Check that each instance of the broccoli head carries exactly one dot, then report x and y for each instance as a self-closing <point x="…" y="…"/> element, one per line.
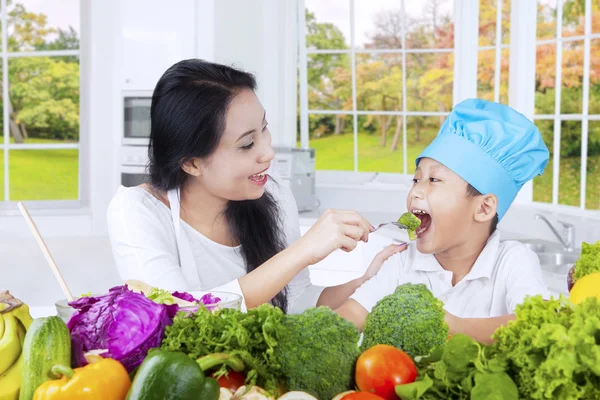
<point x="411" y="319"/>
<point x="589" y="261"/>
<point x="411" y="222"/>
<point x="317" y="351"/>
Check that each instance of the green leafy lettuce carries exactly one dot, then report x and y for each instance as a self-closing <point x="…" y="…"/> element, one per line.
<point x="589" y="261"/>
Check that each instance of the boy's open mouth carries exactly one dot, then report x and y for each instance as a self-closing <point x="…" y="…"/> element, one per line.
<point x="425" y="221"/>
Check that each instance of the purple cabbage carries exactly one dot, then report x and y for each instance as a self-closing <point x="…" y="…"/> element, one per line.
<point x="206" y="299"/>
<point x="125" y="323"/>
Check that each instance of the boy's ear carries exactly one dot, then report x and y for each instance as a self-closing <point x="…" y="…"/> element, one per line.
<point x="487" y="207"/>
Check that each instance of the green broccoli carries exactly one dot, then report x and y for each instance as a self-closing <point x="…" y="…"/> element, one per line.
<point x="411" y="319"/>
<point x="412" y="222"/>
<point x="589" y="261"/>
<point x="317" y="351"/>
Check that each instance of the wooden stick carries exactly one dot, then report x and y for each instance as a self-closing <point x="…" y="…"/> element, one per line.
<point x="40" y="240"/>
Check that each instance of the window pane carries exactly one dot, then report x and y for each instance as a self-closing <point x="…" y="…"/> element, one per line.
<point x="43" y="174"/>
<point x="327" y="24"/>
<point x="44" y="94"/>
<point x="542" y="185"/>
<point x="572" y="77"/>
<point x="429" y="81"/>
<point x="329" y="82"/>
<point x="487" y="22"/>
<point x="486" y="80"/>
<point x="420" y="132"/>
<point x="592" y="193"/>
<point x="430" y="25"/>
<point x="595" y="16"/>
<point x="570" y="163"/>
<point x="332" y="138"/>
<point x="573" y="18"/>
<point x="379" y="82"/>
<point x="546" y="19"/>
<point x="1" y="174"/>
<point x="486" y="61"/>
<point x="545" y="72"/>
<point x="378" y="24"/>
<point x="380" y="143"/>
<point x="43" y="25"/>
<point x="594" y="96"/>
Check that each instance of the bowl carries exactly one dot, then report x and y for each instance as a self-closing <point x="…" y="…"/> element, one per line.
<point x="228" y="300"/>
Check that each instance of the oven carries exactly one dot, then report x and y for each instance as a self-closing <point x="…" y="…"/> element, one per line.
<point x="136" y="119"/>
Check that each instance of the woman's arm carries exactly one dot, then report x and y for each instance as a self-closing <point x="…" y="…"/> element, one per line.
<point x="480" y="329"/>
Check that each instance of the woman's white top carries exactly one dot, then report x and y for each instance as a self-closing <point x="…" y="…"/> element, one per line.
<point x="153" y="244"/>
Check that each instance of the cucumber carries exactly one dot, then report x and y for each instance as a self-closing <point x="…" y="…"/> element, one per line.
<point x="47" y="343"/>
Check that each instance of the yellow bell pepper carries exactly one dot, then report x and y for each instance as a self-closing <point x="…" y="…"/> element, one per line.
<point x="103" y="380"/>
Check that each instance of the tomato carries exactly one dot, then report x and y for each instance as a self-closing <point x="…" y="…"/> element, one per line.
<point x="232" y="381"/>
<point x="361" y="396"/>
<point x="382" y="367"/>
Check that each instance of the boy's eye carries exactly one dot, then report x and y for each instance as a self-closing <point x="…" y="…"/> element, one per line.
<point x="415" y="180"/>
<point x="434" y="180"/>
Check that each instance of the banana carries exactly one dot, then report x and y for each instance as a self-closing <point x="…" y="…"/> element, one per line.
<point x="10" y="343"/>
<point x="23" y="315"/>
<point x="1" y="325"/>
<point x="10" y="381"/>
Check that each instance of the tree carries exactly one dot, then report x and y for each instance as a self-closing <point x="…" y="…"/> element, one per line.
<point x="44" y="91"/>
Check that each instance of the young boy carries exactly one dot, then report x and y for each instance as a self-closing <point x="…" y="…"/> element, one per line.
<point x="464" y="183"/>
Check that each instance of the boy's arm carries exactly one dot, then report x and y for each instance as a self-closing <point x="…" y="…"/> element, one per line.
<point x="480" y="329"/>
<point x="353" y="312"/>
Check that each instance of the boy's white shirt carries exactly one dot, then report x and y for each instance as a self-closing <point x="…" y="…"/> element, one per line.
<point x="503" y="275"/>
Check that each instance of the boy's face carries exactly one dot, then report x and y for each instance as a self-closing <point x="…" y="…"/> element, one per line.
<point x="439" y="198"/>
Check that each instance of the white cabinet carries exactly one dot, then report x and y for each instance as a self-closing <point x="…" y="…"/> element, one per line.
<point x="154" y="35"/>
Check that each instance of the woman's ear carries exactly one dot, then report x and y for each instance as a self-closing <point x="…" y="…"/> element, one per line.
<point x="192" y="166"/>
<point x="487" y="207"/>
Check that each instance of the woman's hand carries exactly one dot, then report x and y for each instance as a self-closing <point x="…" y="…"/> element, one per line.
<point x="335" y="229"/>
<point x="382" y="257"/>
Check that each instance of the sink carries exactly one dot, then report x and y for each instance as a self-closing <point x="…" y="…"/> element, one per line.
<point x="558" y="263"/>
<point x="542" y="246"/>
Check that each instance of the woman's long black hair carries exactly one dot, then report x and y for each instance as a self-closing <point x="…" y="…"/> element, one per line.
<point x="188" y="111"/>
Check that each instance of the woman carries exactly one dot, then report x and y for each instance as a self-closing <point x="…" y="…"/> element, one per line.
<point x="211" y="217"/>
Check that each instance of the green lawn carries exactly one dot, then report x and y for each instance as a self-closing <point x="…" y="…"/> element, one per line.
<point x="41" y="174"/>
<point x="336" y="153"/>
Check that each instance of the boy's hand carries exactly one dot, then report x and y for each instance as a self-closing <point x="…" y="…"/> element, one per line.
<point x="381" y="257"/>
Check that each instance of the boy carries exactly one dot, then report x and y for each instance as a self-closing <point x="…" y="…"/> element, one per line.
<point x="464" y="183"/>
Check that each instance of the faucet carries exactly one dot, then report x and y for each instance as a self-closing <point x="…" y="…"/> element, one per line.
<point x="568" y="235"/>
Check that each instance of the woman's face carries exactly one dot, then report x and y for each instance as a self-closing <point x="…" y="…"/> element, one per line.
<point x="237" y="169"/>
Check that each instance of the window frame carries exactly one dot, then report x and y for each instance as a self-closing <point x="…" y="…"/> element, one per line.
<point x="8" y="206"/>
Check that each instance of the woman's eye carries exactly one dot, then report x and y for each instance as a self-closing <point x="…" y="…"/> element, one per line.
<point x="265" y="127"/>
<point x="248" y="146"/>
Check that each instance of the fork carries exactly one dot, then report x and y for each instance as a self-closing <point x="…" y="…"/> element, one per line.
<point x="397" y="224"/>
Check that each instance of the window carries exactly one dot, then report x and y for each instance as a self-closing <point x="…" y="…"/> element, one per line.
<point x="567" y="101"/>
<point x="376" y="81"/>
<point x="39" y="147"/>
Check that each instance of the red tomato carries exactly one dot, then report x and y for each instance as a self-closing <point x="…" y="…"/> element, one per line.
<point x="381" y="368"/>
<point x="232" y="381"/>
<point x="361" y="396"/>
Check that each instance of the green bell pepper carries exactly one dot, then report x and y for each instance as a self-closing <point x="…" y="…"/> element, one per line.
<point x="171" y="375"/>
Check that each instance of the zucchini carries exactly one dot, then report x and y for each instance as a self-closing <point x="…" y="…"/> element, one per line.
<point x="47" y="343"/>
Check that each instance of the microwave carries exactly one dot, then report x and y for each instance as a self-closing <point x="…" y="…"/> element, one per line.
<point x="136" y="120"/>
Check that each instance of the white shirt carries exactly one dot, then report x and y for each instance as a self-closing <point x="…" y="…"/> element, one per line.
<point x="502" y="276"/>
<point x="145" y="246"/>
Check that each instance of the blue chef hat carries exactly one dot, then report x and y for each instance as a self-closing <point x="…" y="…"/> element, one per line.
<point x="492" y="147"/>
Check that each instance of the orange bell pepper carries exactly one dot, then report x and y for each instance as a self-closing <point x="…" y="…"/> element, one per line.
<point x="103" y="380"/>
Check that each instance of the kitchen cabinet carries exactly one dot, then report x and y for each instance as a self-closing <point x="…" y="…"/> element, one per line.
<point x="154" y="35"/>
